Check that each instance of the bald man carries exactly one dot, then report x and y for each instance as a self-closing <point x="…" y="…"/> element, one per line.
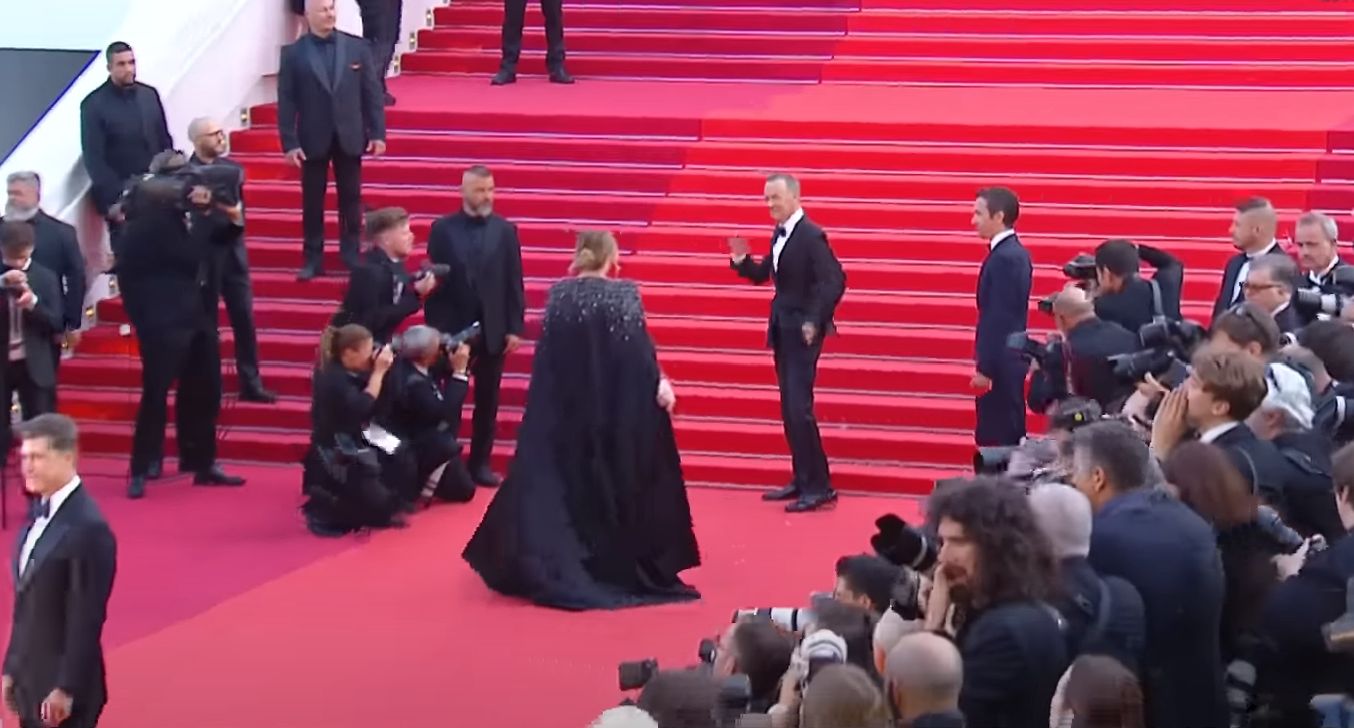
<point x="1090" y="341"/>
<point x="924" y="675"/>
<point x="1253" y="229"/>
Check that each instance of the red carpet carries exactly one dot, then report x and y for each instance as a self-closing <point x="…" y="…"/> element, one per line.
<point x="226" y="613"/>
<point x="1137" y="118"/>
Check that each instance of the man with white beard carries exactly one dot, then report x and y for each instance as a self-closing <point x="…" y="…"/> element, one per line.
<point x="56" y="249"/>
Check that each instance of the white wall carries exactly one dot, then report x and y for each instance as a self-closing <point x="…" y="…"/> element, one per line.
<point x="68" y="25"/>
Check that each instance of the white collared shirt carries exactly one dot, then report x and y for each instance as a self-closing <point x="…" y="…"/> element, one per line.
<point x="788" y="227"/>
<point x="1246" y="269"/>
<point x="1216" y="431"/>
<point x="1316" y="278"/>
<point x="40" y="525"/>
<point x="1004" y="234"/>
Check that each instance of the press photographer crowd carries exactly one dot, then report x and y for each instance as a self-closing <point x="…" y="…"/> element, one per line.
<point x="1171" y="553"/>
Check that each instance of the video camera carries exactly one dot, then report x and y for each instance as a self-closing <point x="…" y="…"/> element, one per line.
<point x="448" y="342"/>
<point x="1167" y="346"/>
<point x="1311" y="301"/>
<point x="172" y="185"/>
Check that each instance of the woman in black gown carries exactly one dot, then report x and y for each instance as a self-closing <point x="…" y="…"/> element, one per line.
<point x="593" y="514"/>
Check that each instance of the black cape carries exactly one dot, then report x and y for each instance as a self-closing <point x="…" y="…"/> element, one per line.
<point x="593" y="513"/>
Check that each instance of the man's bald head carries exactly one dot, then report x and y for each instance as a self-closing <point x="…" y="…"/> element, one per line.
<point x="321" y="16"/>
<point x="1072" y="302"/>
<point x="924" y="673"/>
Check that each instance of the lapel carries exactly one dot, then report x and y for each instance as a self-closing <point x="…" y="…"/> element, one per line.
<point x="18" y="550"/>
<point x="310" y="47"/>
<point x="339" y="64"/>
<point x="51" y="537"/>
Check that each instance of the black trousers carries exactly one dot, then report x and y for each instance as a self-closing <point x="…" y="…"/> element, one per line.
<point x="381" y="28"/>
<point x="33" y="400"/>
<point x="114" y="237"/>
<point x="230" y="273"/>
<point x="1001" y="410"/>
<point x="193" y="359"/>
<point x="796" y="369"/>
<point x="486" y="371"/>
<point x="314" y="184"/>
<point x="515" y="16"/>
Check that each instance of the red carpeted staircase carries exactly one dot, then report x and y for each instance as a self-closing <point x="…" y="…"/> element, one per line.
<point x="683" y="105"/>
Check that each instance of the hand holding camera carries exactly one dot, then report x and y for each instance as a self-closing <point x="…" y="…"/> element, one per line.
<point x="460" y="359"/>
<point x="200" y="196"/>
<point x="384" y="358"/>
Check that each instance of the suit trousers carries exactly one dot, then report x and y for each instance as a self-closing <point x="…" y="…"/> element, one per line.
<point x="486" y="371"/>
<point x="514" y="18"/>
<point x="796" y="369"/>
<point x="33" y="400"/>
<point x="314" y="185"/>
<point x="381" y="28"/>
<point x="231" y="272"/>
<point x="1001" y="410"/>
<point x="193" y="358"/>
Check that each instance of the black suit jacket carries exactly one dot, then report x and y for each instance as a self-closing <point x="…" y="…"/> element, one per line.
<point x="1014" y="655"/>
<point x="1091" y="343"/>
<point x="1165" y="550"/>
<point x="1289" y="320"/>
<point x="421" y="404"/>
<point x="58" y="250"/>
<point x="312" y="110"/>
<point x="485" y="282"/>
<point x="60" y="604"/>
<point x="120" y="131"/>
<point x="370" y="299"/>
<point x="1259" y="461"/>
<point x="161" y="273"/>
<point x="40" y="325"/>
<point x="1225" y="299"/>
<point x="1003" y="309"/>
<point x="1326" y="285"/>
<point x="809" y="282"/>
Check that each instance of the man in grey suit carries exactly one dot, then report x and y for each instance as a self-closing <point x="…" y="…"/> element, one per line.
<point x="330" y="110"/>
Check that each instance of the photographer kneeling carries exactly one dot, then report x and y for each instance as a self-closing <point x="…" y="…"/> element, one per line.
<point x="342" y="480"/>
<point x="422" y="407"/>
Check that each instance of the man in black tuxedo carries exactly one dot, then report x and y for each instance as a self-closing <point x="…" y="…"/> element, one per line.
<point x="381" y="292"/>
<point x="485" y="285"/>
<point x="1003" y="309"/>
<point x="1316" y="238"/>
<point x="122" y="125"/>
<point x="228" y="262"/>
<point x="514" y="17"/>
<point x="1270" y="282"/>
<point x="330" y="110"/>
<point x="31" y="308"/>
<point x="57" y="249"/>
<point x="809" y="284"/>
<point x="1125" y="297"/>
<point x="163" y="277"/>
<point x="63" y="575"/>
<point x="381" y="28"/>
<point x="1253" y="229"/>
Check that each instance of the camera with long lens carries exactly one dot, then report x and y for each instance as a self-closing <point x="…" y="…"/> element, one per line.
<point x="448" y="342"/>
<point x="902" y="544"/>
<point x="432" y="270"/>
<point x="171" y="185"/>
<point x="1313" y="301"/>
<point x="1167" y="346"/>
<point x="735" y="692"/>
<point x="635" y="674"/>
<point x="792" y="619"/>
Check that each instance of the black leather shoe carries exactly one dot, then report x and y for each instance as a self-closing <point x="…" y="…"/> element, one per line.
<point x="504" y="77"/>
<point x="789" y="492"/>
<point x="154" y="470"/>
<point x="390" y="99"/>
<point x="258" y="394"/>
<point x="485" y="477"/>
<point x="812" y="502"/>
<point x="559" y="75"/>
<point x="216" y="476"/>
<point x="310" y="271"/>
<point x="136" y="487"/>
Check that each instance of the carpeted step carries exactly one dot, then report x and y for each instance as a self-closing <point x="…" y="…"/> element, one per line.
<point x="828" y="187"/>
<point x="902" y="45"/>
<point x="950" y="69"/>
<point x="617" y="208"/>
<point x="694" y="434"/>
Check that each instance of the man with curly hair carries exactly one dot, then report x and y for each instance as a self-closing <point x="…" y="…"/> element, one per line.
<point x="995" y="575"/>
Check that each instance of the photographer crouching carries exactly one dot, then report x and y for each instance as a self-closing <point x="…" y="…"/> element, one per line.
<point x="1080" y="364"/>
<point x="422" y="407"/>
<point x="162" y="272"/>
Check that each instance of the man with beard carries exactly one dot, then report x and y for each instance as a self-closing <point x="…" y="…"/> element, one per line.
<point x="485" y="258"/>
<point x="57" y="249"/>
<point x="996" y="572"/>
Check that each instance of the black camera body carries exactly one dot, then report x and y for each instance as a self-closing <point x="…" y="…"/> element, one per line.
<point x="904" y="545"/>
<point x="1080" y="268"/>
<point x="434" y="270"/>
<point x="171" y="188"/>
<point x="1167" y="346"/>
<point x="449" y="342"/>
<point x="1312" y="301"/>
<point x="1051" y="355"/>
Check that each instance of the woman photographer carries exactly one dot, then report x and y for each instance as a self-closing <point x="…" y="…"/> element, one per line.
<point x="342" y="479"/>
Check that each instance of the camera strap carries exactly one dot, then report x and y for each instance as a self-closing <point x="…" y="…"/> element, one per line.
<point x="1158" y="310"/>
<point x="1102" y="617"/>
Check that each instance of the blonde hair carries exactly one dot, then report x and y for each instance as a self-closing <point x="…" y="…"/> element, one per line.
<point x="337" y="339"/>
<point x="594" y="250"/>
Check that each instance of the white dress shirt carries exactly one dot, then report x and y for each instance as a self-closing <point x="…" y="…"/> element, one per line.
<point x="1216" y="431"/>
<point x="1246" y="269"/>
<point x="40" y="525"/>
<point x="1004" y="234"/>
<point x="787" y="228"/>
<point x="1317" y="278"/>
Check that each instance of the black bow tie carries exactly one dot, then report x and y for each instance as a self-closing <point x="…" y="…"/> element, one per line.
<point x="42" y="508"/>
<point x="780" y="231"/>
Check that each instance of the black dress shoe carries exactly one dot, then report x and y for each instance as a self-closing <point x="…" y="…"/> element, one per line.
<point x="812" y="502"/>
<point x="136" y="487"/>
<point x="309" y="271"/>
<point x="485" y="477"/>
<point x="258" y="394"/>
<point x="216" y="476"/>
<point x="390" y="99"/>
<point x="154" y="470"/>
<point x="504" y="77"/>
<point x="559" y="75"/>
<point x="789" y="492"/>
